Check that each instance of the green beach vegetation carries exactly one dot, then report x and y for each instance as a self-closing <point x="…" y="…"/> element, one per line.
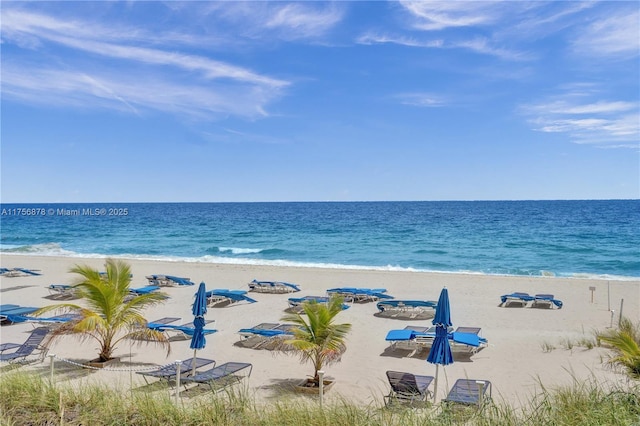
<point x="26" y="398"/>
<point x="109" y="314"/>
<point x="624" y="343"/>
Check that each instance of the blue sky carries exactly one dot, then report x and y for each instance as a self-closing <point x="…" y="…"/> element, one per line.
<point x="319" y="101"/>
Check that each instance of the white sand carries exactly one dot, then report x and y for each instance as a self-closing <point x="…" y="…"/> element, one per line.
<point x="514" y="362"/>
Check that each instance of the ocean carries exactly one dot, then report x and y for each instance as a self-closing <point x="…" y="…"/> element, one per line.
<point x="583" y="239"/>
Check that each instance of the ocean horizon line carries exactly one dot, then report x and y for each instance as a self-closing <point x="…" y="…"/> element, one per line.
<point x="31" y="203"/>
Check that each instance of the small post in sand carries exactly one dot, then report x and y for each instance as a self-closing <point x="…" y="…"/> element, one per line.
<point x="178" y="365"/>
<point x="321" y="387"/>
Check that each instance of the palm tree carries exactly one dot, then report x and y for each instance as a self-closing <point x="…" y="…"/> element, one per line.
<point x="625" y="344"/>
<point x="109" y="314"/>
<point x="317" y="338"/>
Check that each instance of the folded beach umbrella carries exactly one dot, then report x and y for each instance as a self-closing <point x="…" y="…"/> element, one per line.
<point x="440" y="353"/>
<point x="198" y="341"/>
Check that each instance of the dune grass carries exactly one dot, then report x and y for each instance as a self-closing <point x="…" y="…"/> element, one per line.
<point x="28" y="399"/>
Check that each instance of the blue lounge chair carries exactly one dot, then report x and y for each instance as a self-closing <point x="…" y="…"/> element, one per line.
<point x="464" y="340"/>
<point x="469" y="392"/>
<point x="518" y="298"/>
<point x="467" y="340"/>
<point x="295" y="303"/>
<point x="412" y="309"/>
<point x="223" y="296"/>
<point x="144" y="290"/>
<point x="135" y="292"/>
<point x="10" y="313"/>
<point x="407" y="387"/>
<point x="170" y="371"/>
<point x="360" y="294"/>
<point x="62" y="291"/>
<point x="8" y="306"/>
<point x="28" y="271"/>
<point x="32" y="346"/>
<point x="265" y="335"/>
<point x="17" y="272"/>
<point x="43" y="321"/>
<point x="168" y="280"/>
<point x="545" y="301"/>
<point x="221" y="376"/>
<point x="406" y="339"/>
<point x="185" y="331"/>
<point x="273" y="287"/>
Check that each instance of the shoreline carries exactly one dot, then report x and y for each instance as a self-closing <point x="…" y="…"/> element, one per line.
<point x="329" y="266"/>
<point x="517" y="361"/>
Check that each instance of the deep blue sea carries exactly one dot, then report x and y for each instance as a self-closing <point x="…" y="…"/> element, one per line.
<point x="594" y="239"/>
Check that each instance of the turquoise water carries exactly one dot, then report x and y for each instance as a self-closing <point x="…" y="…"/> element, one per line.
<point x="563" y="238"/>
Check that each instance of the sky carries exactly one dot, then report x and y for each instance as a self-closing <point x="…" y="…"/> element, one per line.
<point x="319" y="101"/>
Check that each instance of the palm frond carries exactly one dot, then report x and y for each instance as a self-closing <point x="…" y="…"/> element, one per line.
<point x="318" y="339"/>
<point x="624" y="343"/>
<point x="106" y="317"/>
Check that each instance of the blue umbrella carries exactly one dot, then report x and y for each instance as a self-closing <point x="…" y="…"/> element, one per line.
<point x="440" y="353"/>
<point x="198" y="341"/>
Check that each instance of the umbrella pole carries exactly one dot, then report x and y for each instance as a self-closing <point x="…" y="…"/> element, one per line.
<point x="193" y="370"/>
<point x="435" y="384"/>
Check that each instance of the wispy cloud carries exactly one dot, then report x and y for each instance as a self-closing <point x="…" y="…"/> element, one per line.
<point x="603" y="123"/>
<point x="477" y="45"/>
<point x="374" y="38"/>
<point x="439" y="15"/>
<point x="617" y="35"/>
<point x="110" y="70"/>
<point x="302" y="20"/>
<point x="423" y="100"/>
<point x="286" y="21"/>
<point x="137" y="93"/>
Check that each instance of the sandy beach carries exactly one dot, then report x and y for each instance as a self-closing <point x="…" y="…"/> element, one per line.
<point x="516" y="361"/>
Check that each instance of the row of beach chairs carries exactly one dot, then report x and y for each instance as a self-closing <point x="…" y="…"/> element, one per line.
<point x="216" y="377"/>
<point x="407" y="387"/>
<point x="521" y="299"/>
<point x="463" y="340"/>
<point x="404" y="386"/>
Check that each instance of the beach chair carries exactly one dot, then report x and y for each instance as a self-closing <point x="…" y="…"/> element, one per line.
<point x="144" y="290"/>
<point x="273" y="287"/>
<point x="295" y="303"/>
<point x="50" y="322"/>
<point x="62" y="291"/>
<point x="265" y="335"/>
<point x="184" y="331"/>
<point x="516" y="299"/>
<point x="360" y="295"/>
<point x="31" y="346"/>
<point x="469" y="392"/>
<point x="168" y="280"/>
<point x="219" y="297"/>
<point x="134" y="292"/>
<point x="407" y="387"/>
<point x="12" y="312"/>
<point x="467" y="340"/>
<point x="162" y="321"/>
<point x="7" y="307"/>
<point x="221" y="376"/>
<point x="168" y="372"/>
<point x="18" y="272"/>
<point x="411" y="309"/>
<point x="407" y="338"/>
<point x="545" y="301"/>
